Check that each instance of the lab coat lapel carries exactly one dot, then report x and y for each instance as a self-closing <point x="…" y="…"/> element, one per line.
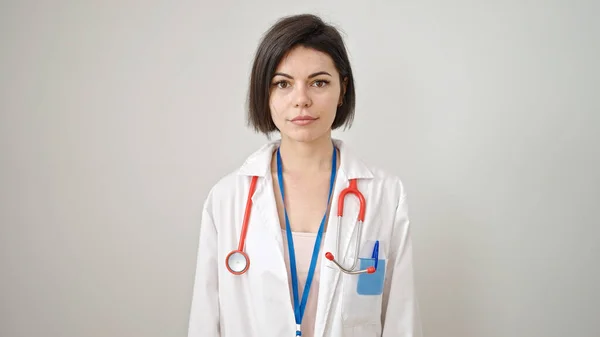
<point x="350" y="168"/>
<point x="267" y="266"/>
<point x="329" y="276"/>
<point x="264" y="244"/>
<point x="264" y="207"/>
<point x="267" y="218"/>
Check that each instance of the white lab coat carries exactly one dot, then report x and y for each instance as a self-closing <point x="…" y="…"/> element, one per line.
<point x="257" y="303"/>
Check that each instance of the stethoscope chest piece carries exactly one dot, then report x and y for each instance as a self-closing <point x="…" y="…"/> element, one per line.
<point x="237" y="262"/>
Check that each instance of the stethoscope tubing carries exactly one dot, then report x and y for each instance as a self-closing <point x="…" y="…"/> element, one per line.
<point x="351" y="189"/>
<point x="359" y="224"/>
<point x="244" y="230"/>
<point x="247" y="214"/>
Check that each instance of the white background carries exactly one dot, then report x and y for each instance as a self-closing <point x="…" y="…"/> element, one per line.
<point x="118" y="116"/>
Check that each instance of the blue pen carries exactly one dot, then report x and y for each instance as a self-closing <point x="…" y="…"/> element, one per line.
<point x="376" y="253"/>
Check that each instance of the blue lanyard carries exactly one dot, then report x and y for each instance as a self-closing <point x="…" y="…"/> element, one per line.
<point x="299" y="307"/>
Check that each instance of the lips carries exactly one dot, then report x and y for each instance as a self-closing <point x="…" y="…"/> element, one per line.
<point x="303" y="118"/>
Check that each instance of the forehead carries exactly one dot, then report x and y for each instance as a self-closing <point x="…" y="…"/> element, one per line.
<point x="301" y="61"/>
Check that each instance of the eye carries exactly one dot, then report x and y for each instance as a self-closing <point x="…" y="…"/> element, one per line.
<point x="282" y="84"/>
<point x="320" y="83"/>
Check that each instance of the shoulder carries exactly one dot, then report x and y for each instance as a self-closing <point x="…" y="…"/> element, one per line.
<point x="392" y="181"/>
<point x="388" y="178"/>
<point x="379" y="181"/>
<point x="235" y="183"/>
<point x="225" y="185"/>
<point x="388" y="190"/>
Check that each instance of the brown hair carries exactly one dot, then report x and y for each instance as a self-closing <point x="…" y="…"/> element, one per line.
<point x="306" y="30"/>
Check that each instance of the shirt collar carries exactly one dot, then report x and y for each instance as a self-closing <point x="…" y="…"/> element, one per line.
<point x="259" y="162"/>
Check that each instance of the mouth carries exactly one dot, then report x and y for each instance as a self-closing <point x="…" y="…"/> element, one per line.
<point x="303" y="120"/>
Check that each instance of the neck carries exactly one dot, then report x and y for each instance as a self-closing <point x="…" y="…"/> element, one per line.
<point x="306" y="157"/>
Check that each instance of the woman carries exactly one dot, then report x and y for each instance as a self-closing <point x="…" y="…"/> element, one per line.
<point x="302" y="86"/>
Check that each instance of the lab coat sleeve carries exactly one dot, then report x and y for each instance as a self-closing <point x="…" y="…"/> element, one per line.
<point x="400" y="314"/>
<point x="204" y="312"/>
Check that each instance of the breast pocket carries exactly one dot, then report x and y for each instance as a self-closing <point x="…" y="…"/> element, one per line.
<point x="362" y="293"/>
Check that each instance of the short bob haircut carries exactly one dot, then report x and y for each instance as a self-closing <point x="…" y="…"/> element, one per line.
<point x="298" y="30"/>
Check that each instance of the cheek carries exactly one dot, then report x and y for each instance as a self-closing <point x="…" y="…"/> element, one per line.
<point x="277" y="103"/>
<point x="328" y="102"/>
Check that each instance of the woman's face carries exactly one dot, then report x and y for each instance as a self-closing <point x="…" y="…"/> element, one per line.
<point x="305" y="94"/>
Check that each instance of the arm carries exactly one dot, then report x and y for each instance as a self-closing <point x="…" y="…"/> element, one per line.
<point x="400" y="316"/>
<point x="204" y="313"/>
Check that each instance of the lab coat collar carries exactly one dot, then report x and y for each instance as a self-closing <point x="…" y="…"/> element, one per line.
<point x="259" y="163"/>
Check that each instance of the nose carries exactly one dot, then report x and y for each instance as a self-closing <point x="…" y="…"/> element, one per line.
<point x="301" y="97"/>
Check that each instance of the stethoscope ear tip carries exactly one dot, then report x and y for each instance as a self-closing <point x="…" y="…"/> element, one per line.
<point x="329" y="256"/>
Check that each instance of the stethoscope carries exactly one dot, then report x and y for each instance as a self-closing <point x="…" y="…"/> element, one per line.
<point x="238" y="262"/>
<point x="353" y="189"/>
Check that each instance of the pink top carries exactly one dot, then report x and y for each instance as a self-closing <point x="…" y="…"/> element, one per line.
<point x="303" y="247"/>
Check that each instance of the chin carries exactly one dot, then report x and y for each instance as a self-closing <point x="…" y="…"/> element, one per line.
<point x="306" y="135"/>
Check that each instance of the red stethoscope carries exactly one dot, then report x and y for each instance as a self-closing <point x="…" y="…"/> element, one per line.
<point x="238" y="262"/>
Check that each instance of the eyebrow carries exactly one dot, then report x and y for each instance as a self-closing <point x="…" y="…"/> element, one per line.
<point x="310" y="76"/>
